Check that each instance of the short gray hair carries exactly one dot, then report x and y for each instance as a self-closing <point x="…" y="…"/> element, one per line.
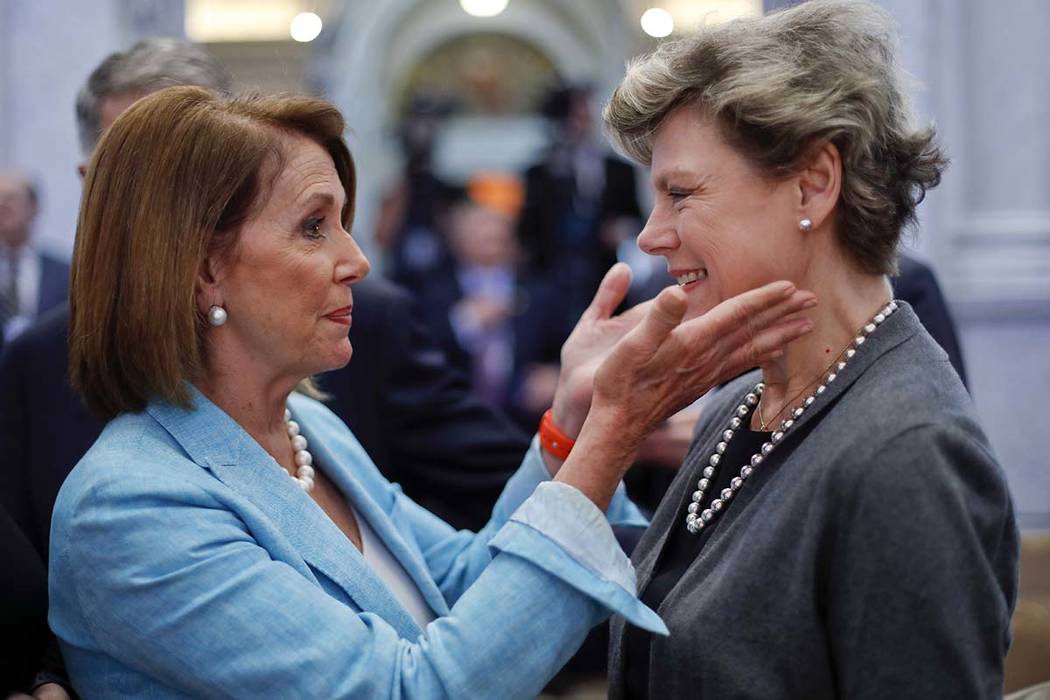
<point x="823" y="71"/>
<point x="148" y="66"/>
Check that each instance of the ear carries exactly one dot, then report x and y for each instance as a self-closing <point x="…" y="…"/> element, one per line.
<point x="82" y="170"/>
<point x="209" y="287"/>
<point x="819" y="183"/>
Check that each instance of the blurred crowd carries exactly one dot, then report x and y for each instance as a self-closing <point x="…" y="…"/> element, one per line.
<point x="494" y="270"/>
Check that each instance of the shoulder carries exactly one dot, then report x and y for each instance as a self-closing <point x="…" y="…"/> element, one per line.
<point x="132" y="457"/>
<point x="52" y="264"/>
<point x="907" y="434"/>
<point x="46" y="335"/>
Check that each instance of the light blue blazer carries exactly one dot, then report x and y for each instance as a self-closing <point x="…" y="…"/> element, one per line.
<point x="185" y="563"/>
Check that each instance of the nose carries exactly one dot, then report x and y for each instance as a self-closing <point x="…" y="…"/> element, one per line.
<point x="658" y="237"/>
<point x="352" y="266"/>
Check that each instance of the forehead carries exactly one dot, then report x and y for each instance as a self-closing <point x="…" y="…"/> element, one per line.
<point x="687" y="139"/>
<point x="306" y="169"/>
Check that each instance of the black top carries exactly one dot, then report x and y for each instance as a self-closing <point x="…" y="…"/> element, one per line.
<point x="683" y="547"/>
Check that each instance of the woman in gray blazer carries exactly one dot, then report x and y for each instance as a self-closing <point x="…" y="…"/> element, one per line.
<point x="840" y="527"/>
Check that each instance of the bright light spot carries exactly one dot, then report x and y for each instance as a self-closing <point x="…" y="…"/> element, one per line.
<point x="305" y="27"/>
<point x="483" y="8"/>
<point x="657" y="22"/>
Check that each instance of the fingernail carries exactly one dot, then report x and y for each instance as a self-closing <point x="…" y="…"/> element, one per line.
<point x="810" y="303"/>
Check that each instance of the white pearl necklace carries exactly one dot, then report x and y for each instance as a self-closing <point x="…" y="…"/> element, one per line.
<point x="304" y="475"/>
<point x="696" y="519"/>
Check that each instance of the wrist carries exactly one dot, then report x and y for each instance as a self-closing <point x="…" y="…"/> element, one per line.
<point x="553" y="440"/>
<point x="568" y="416"/>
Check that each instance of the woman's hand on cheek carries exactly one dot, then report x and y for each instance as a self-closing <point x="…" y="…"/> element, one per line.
<point x="594" y="336"/>
<point x="663" y="364"/>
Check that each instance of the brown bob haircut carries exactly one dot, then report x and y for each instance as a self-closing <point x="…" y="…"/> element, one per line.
<point x="171" y="183"/>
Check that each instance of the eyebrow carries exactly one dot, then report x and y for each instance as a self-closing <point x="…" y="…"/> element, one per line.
<point x="324" y="198"/>
<point x="661" y="182"/>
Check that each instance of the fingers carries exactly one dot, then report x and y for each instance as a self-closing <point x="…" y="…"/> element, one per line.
<point x="743" y="332"/>
<point x="664" y="315"/>
<point x="611" y="292"/>
<point x="745" y="309"/>
<point x="769" y="343"/>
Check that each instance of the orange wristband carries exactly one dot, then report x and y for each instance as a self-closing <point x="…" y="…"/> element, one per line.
<point x="552" y="439"/>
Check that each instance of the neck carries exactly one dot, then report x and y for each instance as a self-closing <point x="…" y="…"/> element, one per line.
<point x="256" y="403"/>
<point x="846" y="302"/>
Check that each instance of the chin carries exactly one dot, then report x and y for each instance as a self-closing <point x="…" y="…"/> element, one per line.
<point x="338" y="358"/>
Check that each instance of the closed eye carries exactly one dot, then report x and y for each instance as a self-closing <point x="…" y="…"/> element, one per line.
<point x="677" y="195"/>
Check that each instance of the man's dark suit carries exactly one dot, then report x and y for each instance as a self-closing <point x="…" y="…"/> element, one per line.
<point x="549" y="197"/>
<point x="916" y="284"/>
<point x="54" y="284"/>
<point x="53" y="289"/>
<point x="412" y="413"/>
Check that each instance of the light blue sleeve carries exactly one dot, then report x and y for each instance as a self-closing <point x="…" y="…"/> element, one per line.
<point x="555" y="518"/>
<point x="165" y="579"/>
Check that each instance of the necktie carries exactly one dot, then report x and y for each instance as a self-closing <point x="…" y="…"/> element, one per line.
<point x="9" y="291"/>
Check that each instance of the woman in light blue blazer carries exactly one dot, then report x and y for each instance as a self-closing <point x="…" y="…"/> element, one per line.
<point x="228" y="537"/>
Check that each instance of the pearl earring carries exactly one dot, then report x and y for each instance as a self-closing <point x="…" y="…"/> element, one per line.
<point x="217" y="316"/>
<point x="805" y="225"/>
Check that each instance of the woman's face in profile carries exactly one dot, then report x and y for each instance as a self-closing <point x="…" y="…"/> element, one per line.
<point x="722" y="227"/>
<point x="286" y="285"/>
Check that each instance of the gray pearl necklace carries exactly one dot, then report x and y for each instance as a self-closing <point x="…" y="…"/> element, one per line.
<point x="696" y="519"/>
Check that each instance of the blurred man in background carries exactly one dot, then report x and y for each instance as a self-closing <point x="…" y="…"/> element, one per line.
<point x="31" y="282"/>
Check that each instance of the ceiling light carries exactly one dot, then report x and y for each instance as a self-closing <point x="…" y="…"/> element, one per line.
<point x="657" y="22"/>
<point x="483" y="8"/>
<point x="306" y="26"/>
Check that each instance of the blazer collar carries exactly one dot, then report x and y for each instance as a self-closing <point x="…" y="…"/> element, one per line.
<point x="218" y="443"/>
<point x="897" y="328"/>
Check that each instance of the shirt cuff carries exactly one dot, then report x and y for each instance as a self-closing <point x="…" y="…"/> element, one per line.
<point x="562" y="532"/>
<point x="574" y="523"/>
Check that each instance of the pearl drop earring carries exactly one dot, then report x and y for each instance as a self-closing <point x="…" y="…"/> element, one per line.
<point x="217" y="316"/>
<point x="805" y="225"/>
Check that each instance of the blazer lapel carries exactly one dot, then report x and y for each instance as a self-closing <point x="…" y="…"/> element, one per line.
<point x="366" y="507"/>
<point x="218" y="443"/>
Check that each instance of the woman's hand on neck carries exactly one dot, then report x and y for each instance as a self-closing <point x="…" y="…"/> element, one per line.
<point x="848" y="300"/>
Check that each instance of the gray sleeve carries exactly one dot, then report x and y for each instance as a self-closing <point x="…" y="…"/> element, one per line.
<point x="922" y="572"/>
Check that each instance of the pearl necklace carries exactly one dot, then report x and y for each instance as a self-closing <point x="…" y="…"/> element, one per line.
<point x="696" y="519"/>
<point x="303" y="459"/>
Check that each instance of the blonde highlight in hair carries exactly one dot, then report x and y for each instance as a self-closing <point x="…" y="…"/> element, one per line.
<point x="171" y="183"/>
<point x="823" y="71"/>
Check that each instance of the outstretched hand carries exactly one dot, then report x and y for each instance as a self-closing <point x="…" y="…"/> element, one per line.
<point x="594" y="335"/>
<point x="663" y="364"/>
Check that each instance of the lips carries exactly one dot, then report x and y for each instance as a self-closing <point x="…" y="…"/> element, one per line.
<point x="343" y="315"/>
<point x="686" y="277"/>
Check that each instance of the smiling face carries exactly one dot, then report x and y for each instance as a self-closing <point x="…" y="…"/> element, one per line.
<point x="286" y="284"/>
<point x="722" y="227"/>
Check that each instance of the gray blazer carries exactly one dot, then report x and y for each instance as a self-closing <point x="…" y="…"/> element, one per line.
<point x="878" y="560"/>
